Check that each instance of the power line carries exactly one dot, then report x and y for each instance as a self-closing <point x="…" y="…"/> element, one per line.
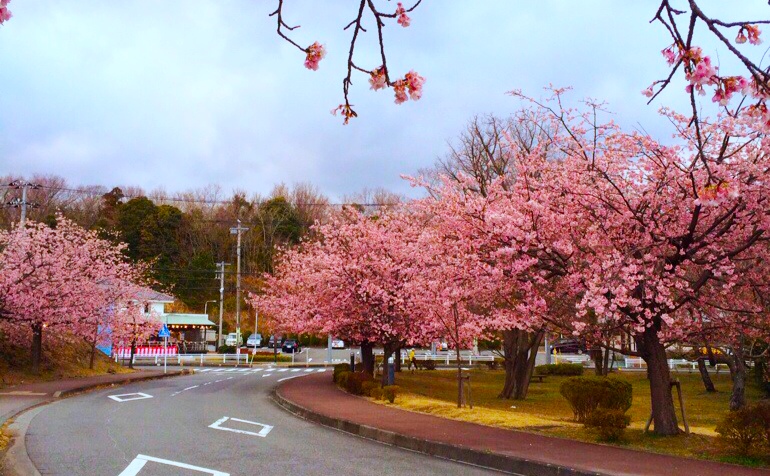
<point x="212" y="202"/>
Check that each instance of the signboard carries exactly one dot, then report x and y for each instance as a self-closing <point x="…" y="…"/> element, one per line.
<point x="164" y="332"/>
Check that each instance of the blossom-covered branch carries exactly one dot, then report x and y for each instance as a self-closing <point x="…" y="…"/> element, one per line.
<point x="409" y="86"/>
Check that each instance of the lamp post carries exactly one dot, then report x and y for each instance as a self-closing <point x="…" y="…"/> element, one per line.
<point x="205" y="307"/>
<point x="237" y="230"/>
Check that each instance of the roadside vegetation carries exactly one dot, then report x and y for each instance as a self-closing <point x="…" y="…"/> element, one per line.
<point x="547" y="412"/>
<point x="67" y="360"/>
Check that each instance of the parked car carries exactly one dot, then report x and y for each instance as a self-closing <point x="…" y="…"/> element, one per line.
<point x="290" y="346"/>
<point x="338" y="344"/>
<point x="568" y="346"/>
<point x="232" y="339"/>
<point x="273" y="344"/>
<point x="254" y="340"/>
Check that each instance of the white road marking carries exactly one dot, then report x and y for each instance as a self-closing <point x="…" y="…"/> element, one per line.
<point x="138" y="463"/>
<point x="141" y="396"/>
<point x="229" y="378"/>
<point x="257" y="370"/>
<point x="321" y="370"/>
<point x="190" y="388"/>
<point x="308" y="370"/>
<point x="231" y="370"/>
<point x="266" y="375"/>
<point x="207" y="383"/>
<point x="283" y="370"/>
<point x="206" y="370"/>
<point x="263" y="432"/>
<point x="243" y="370"/>
<point x="296" y="370"/>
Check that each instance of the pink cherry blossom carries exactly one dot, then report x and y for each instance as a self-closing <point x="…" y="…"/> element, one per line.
<point x="403" y="18"/>
<point x="315" y="53"/>
<point x="377" y="79"/>
<point x="5" y="14"/>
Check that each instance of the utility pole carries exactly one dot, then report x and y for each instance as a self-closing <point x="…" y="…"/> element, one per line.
<point x="22" y="203"/>
<point x="221" y="276"/>
<point x="237" y="230"/>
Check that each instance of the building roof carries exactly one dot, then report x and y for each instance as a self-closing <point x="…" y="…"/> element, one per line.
<point x="147" y="294"/>
<point x="180" y="319"/>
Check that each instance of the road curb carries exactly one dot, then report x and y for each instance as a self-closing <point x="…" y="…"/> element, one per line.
<point x="125" y="381"/>
<point x="16" y="461"/>
<point x="484" y="459"/>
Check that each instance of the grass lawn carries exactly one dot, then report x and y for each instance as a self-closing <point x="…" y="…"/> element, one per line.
<point x="546" y="412"/>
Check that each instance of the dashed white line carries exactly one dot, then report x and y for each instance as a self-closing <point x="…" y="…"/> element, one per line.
<point x="190" y="388"/>
<point x="296" y="370"/>
<point x="283" y="370"/>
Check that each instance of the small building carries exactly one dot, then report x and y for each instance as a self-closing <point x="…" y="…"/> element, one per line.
<point x="190" y="333"/>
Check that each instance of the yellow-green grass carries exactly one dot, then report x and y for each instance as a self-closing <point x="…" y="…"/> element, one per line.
<point x="546" y="412"/>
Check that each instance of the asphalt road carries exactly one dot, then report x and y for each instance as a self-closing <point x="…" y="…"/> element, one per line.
<point x="213" y="422"/>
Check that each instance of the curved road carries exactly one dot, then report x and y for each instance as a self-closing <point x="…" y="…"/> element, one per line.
<point x="171" y="433"/>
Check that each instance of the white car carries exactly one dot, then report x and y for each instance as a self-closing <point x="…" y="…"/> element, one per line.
<point x="338" y="344"/>
<point x="231" y="339"/>
<point x="254" y="340"/>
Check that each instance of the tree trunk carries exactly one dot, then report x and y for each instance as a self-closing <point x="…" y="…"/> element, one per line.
<point x="387" y="352"/>
<point x="704" y="375"/>
<point x="93" y="355"/>
<point x="520" y="354"/>
<point x="397" y="359"/>
<point x="738" y="395"/>
<point x="509" y="356"/>
<point x="598" y="357"/>
<point x="654" y="354"/>
<point x="459" y="378"/>
<point x="37" y="347"/>
<point x="131" y="356"/>
<point x="367" y="357"/>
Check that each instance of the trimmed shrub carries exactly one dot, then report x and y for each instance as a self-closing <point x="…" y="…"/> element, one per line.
<point x="342" y="379"/>
<point x="355" y="381"/>
<point x="560" y="369"/>
<point x="390" y="392"/>
<point x="429" y="364"/>
<point x="609" y="423"/>
<point x="269" y="357"/>
<point x="586" y="394"/>
<point x="367" y="387"/>
<point x="376" y="393"/>
<point x="226" y="349"/>
<point x="338" y="369"/>
<point x="746" y="429"/>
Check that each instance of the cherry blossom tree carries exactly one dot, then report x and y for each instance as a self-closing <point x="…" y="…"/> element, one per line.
<point x="61" y="279"/>
<point x="353" y="281"/>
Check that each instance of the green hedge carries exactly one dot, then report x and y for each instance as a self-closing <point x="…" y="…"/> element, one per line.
<point x="586" y="394"/>
<point x="609" y="423"/>
<point x="747" y="430"/>
<point x="265" y="357"/>
<point x="338" y="369"/>
<point x="560" y="369"/>
<point x="390" y="392"/>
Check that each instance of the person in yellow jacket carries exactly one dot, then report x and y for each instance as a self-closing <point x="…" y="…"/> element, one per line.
<point x="412" y="360"/>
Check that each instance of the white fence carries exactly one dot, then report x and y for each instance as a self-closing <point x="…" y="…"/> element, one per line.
<point x="673" y="364"/>
<point x="194" y="359"/>
<point x="445" y="357"/>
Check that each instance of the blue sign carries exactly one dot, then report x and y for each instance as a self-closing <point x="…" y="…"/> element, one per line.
<point x="164" y="332"/>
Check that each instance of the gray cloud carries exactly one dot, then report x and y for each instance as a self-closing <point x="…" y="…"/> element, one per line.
<point x="182" y="93"/>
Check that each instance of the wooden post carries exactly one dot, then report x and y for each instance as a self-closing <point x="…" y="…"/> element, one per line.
<point x="678" y="385"/>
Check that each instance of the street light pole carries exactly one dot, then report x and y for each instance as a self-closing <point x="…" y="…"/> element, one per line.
<point x="221" y="277"/>
<point x="237" y="230"/>
<point x="23" y="203"/>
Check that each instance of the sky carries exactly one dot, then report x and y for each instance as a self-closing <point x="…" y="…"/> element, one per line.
<point x="179" y="94"/>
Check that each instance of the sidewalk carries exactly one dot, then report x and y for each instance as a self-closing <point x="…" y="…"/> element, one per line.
<point x="20" y="397"/>
<point x="316" y="398"/>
